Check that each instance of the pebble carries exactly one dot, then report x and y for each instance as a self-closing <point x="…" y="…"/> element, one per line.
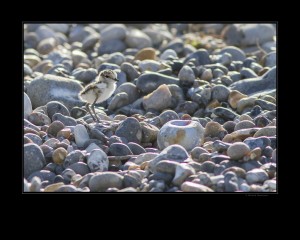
<point x="244" y="124"/>
<point x="34" y="159"/>
<point x="167" y="116"/>
<point x="225" y="113"/>
<point x="182" y="171"/>
<point x="135" y="148"/>
<point x="119" y="149"/>
<point x="270" y="59"/>
<point x="229" y="126"/>
<point x="265" y="105"/>
<point x="266" y="131"/>
<point x="257" y="84"/>
<point x="53" y="187"/>
<point x="256" y="176"/>
<point x="149" y="132"/>
<point x="98" y="161"/>
<point x="148" y="82"/>
<point x="144" y="157"/>
<point x="43" y="175"/>
<point x="59" y="155"/>
<point x="186" y="133"/>
<point x="113" y="31"/>
<point x="238" y="150"/>
<point x="146" y="53"/>
<point x="201" y="57"/>
<point x="208" y="166"/>
<point x="166" y="166"/>
<point x="56" y="107"/>
<point x="220" y="93"/>
<point x="274" y="155"/>
<point x="197" y="151"/>
<point x="111" y="46"/>
<point x="194" y="187"/>
<point x="47" y="45"/>
<point x="130" y="89"/>
<point x="73" y="157"/>
<point x="230" y="182"/>
<point x="130" y="71"/>
<point x="173" y="152"/>
<point x="81" y="135"/>
<point x="257" y="142"/>
<point x="80" y="168"/>
<point x="167" y="53"/>
<point x="186" y="76"/>
<point x="102" y="181"/>
<point x="214" y="129"/>
<point x="236" y="53"/>
<point x="55" y="127"/>
<point x="137" y="39"/>
<point x="159" y="99"/>
<point x="34" y="138"/>
<point x="39" y="119"/>
<point x="130" y="129"/>
<point x="85" y="75"/>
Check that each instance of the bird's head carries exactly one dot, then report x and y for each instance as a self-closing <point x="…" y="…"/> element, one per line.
<point x="109" y="75"/>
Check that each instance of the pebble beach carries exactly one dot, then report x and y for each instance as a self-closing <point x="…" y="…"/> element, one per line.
<point x="194" y="109"/>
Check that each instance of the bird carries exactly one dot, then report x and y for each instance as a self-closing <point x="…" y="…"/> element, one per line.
<point x="99" y="90"/>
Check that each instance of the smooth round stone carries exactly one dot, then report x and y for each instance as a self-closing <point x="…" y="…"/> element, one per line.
<point x="56" y="107"/>
<point x="119" y="149"/>
<point x="144" y="157"/>
<point x="234" y="97"/>
<point x="220" y="146"/>
<point x="261" y="121"/>
<point x="131" y="181"/>
<point x="229" y="126"/>
<point x="39" y="119"/>
<point x="135" y="148"/>
<point x="217" y="159"/>
<point x="246" y="117"/>
<point x="201" y="57"/>
<point x="224" y="113"/>
<point x="111" y="46"/>
<point x="59" y="155"/>
<point x="174" y="152"/>
<point x="267" y="152"/>
<point x="80" y="168"/>
<point x="208" y="167"/>
<point x="176" y="45"/>
<point x="52" y="142"/>
<point x="214" y="129"/>
<point x="250" y="165"/>
<point x="53" y="187"/>
<point x="27" y="140"/>
<point x="268" y="131"/>
<point x="238" y="150"/>
<point x="236" y="53"/>
<point x="194" y="187"/>
<point x="35" y="185"/>
<point x="98" y="161"/>
<point x="130" y="71"/>
<point x="256" y="176"/>
<point x="197" y="151"/>
<point x="241" y="173"/>
<point x="43" y="175"/>
<point x="257" y="84"/>
<point x="159" y="99"/>
<point x="146" y="53"/>
<point x="259" y="142"/>
<point x="73" y="157"/>
<point x="166" y="166"/>
<point x="248" y="73"/>
<point x="116" y="58"/>
<point x="34" y="159"/>
<point x="186" y="76"/>
<point x="265" y="105"/>
<point x="102" y="181"/>
<point x="186" y="133"/>
<point x="244" y="124"/>
<point x="220" y="93"/>
<point x="67" y="121"/>
<point x="81" y="135"/>
<point x="137" y="39"/>
<point x="167" y="53"/>
<point x="55" y="127"/>
<point x="270" y="60"/>
<point x="34" y="138"/>
<point x="118" y="101"/>
<point x="113" y="31"/>
<point x="149" y="132"/>
<point x="85" y="75"/>
<point x="67" y="188"/>
<point x="148" y="82"/>
<point x="130" y="129"/>
<point x="89" y="42"/>
<point x="182" y="171"/>
<point x="46" y="45"/>
<point x="167" y="116"/>
<point x="27" y="106"/>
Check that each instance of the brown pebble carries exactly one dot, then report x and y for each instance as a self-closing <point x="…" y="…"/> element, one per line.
<point x="146" y="53"/>
<point x="55" y="127"/>
<point x="214" y="129"/>
<point x="65" y="133"/>
<point x="255" y="154"/>
<point x="235" y="96"/>
<point x="27" y="140"/>
<point x="244" y="124"/>
<point x="30" y="130"/>
<point x="59" y="155"/>
<point x="268" y="131"/>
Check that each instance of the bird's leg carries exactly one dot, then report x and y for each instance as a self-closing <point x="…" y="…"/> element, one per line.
<point x="93" y="108"/>
<point x="87" y="106"/>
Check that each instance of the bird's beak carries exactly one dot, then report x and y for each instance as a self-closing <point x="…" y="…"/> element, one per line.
<point x="117" y="80"/>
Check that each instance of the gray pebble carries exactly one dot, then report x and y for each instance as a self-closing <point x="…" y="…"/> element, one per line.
<point x="102" y="181"/>
<point x="43" y="175"/>
<point x="113" y="31"/>
<point x="111" y="46"/>
<point x="256" y="176"/>
<point x="130" y="129"/>
<point x="80" y="168"/>
<point x="220" y="93"/>
<point x="236" y="53"/>
<point x="81" y="135"/>
<point x="130" y="71"/>
<point x="34" y="159"/>
<point x="85" y="75"/>
<point x="55" y="127"/>
<point x="261" y="142"/>
<point x="39" y="119"/>
<point x="224" y="113"/>
<point x="119" y="149"/>
<point x="201" y="56"/>
<point x="34" y="138"/>
<point x="73" y="157"/>
<point x="98" y="161"/>
<point x="27" y="106"/>
<point x="56" y="107"/>
<point x="135" y="148"/>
